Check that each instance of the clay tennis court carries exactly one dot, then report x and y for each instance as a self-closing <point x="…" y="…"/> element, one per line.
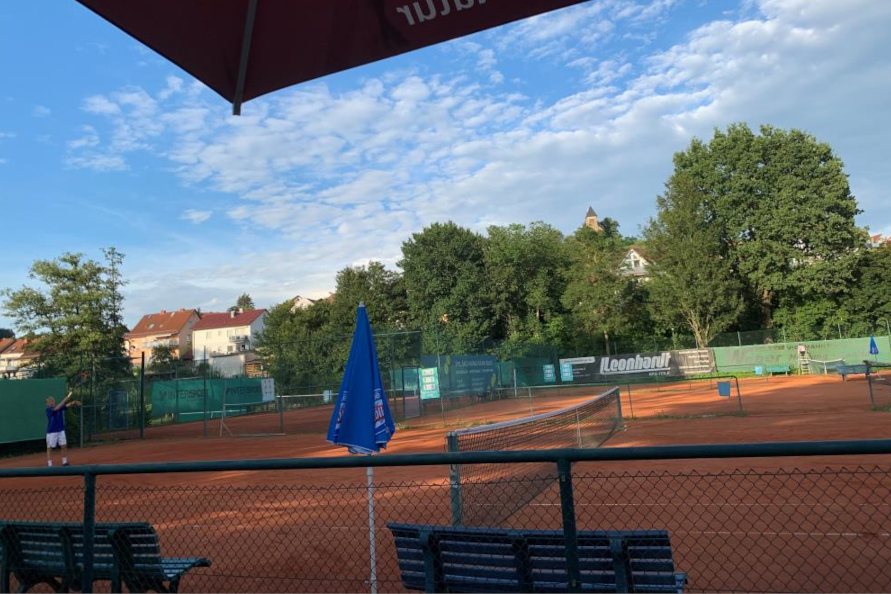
<point x="747" y="524"/>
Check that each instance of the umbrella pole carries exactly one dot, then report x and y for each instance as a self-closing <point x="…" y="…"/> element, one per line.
<point x="372" y="541"/>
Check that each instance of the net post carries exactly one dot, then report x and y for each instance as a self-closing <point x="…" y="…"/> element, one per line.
<point x="620" y="421"/>
<point x="578" y="427"/>
<point x="738" y="394"/>
<point x="570" y="532"/>
<point x="454" y="481"/>
<point x="872" y="401"/>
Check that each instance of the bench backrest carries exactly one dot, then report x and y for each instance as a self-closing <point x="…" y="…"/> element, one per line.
<point x="34" y="546"/>
<point x="111" y="538"/>
<point x="59" y="546"/>
<point x="437" y="558"/>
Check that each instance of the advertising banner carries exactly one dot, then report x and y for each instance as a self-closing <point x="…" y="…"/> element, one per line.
<point x="631" y="366"/>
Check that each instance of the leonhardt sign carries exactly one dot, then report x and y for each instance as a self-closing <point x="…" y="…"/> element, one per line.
<point x="665" y="363"/>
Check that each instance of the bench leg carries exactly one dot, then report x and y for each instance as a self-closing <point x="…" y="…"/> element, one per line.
<point x="4" y="580"/>
<point x="173" y="586"/>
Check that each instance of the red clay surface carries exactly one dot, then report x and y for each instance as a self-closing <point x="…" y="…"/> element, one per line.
<point x="771" y="528"/>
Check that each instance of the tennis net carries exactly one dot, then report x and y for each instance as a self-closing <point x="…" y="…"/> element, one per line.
<point x="817" y="367"/>
<point x="488" y="494"/>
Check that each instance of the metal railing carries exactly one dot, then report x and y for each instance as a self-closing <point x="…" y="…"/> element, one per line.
<point x="871" y="540"/>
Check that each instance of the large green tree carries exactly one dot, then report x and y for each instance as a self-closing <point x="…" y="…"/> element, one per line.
<point x="244" y="302"/>
<point x="786" y="211"/>
<point x="601" y="299"/>
<point x="867" y="306"/>
<point x="382" y="291"/>
<point x="6" y="333"/>
<point x="526" y="268"/>
<point x="75" y="312"/>
<point x="448" y="291"/>
<point x="693" y="282"/>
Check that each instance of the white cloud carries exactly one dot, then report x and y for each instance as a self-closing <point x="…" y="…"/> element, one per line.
<point x="196" y="216"/>
<point x="329" y="178"/>
<point x="98" y="104"/>
<point x="90" y="138"/>
<point x="41" y="111"/>
<point x="4" y="161"/>
<point x="4" y="135"/>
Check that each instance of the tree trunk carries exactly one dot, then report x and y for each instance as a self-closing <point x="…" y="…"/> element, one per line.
<point x="766" y="311"/>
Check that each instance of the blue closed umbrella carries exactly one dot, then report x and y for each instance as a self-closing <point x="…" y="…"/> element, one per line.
<point x="873" y="347"/>
<point x="361" y="420"/>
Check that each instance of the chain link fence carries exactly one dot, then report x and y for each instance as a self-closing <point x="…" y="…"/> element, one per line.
<point x="779" y="525"/>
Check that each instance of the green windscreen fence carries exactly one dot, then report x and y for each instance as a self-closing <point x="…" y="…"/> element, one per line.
<point x="23" y="407"/>
<point x="182" y="401"/>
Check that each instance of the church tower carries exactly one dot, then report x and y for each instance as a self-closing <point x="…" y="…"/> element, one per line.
<point x="591" y="221"/>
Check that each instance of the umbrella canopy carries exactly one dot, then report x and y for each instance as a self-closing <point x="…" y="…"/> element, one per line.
<point x="361" y="419"/>
<point x="246" y="48"/>
<point x="873" y="347"/>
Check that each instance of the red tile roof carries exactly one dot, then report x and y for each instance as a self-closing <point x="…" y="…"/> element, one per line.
<point x="163" y="323"/>
<point x="212" y="321"/>
<point x="17" y="348"/>
<point x="5" y="343"/>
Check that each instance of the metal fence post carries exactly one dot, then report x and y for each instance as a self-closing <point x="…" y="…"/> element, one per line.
<point x="142" y="398"/>
<point x="281" y="401"/>
<point x="454" y="482"/>
<point x="570" y="533"/>
<point x="89" y="530"/>
<point x="204" y="378"/>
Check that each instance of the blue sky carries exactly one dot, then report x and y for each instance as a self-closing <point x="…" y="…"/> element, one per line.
<point x="104" y="143"/>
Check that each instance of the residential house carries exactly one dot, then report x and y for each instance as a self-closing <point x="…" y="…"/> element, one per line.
<point x="5" y="343"/>
<point x="167" y="328"/>
<point x="635" y="263"/>
<point x="16" y="361"/>
<point x="879" y="240"/>
<point x="299" y="302"/>
<point x="226" y="340"/>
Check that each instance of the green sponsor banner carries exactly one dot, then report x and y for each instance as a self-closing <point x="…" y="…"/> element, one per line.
<point x="184" y="399"/>
<point x="429" y="383"/>
<point x="463" y="375"/>
<point x="23" y="407"/>
<point x="853" y="350"/>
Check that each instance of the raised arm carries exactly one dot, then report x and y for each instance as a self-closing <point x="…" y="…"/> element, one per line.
<point x="64" y="400"/>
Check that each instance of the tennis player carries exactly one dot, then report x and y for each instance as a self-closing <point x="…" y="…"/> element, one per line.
<point x="55" y="427"/>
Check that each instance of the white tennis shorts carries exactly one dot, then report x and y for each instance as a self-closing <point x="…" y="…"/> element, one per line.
<point x="56" y="439"/>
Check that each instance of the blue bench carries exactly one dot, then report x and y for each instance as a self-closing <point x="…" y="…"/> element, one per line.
<point x="123" y="554"/>
<point x="846" y="370"/>
<point x="455" y="559"/>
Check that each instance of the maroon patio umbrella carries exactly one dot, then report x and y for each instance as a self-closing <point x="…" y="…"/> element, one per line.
<point x="246" y="48"/>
